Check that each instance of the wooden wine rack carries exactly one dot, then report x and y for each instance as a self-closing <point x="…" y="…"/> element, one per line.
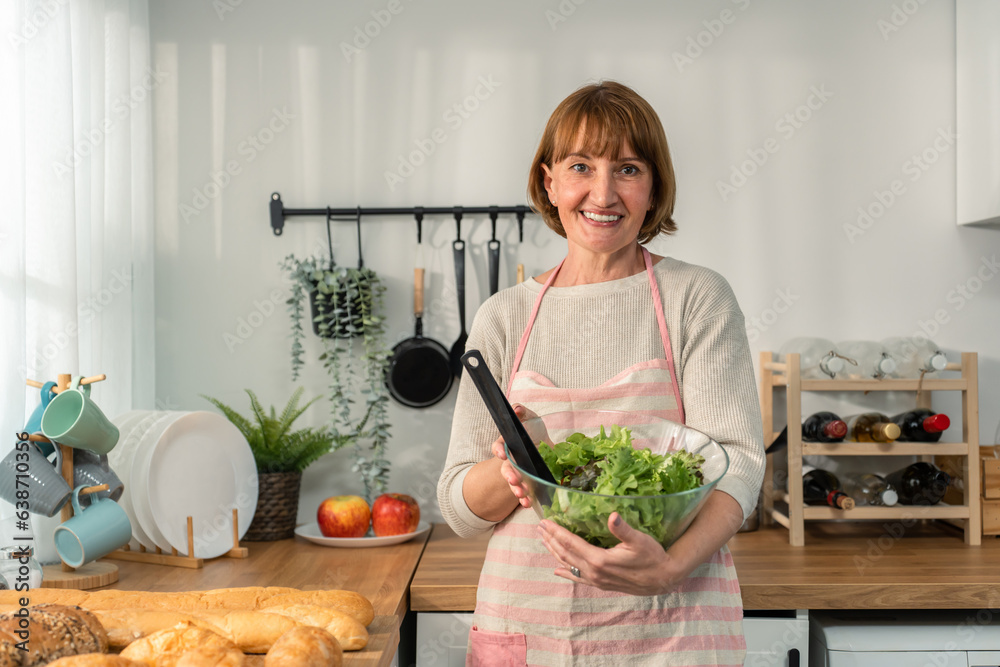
<point x="776" y="376"/>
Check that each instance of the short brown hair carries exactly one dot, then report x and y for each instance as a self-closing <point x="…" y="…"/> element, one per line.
<point x="614" y="115"/>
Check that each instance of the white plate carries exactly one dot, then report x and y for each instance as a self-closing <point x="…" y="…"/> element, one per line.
<point x="202" y="467"/>
<point x="147" y="437"/>
<point x="131" y="425"/>
<point x="311" y="532"/>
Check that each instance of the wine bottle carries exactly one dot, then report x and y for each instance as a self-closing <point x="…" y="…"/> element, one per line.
<point x="915" y="356"/>
<point x="818" y="427"/>
<point x="823" y="427"/>
<point x="921" y="425"/>
<point x="818" y="357"/>
<point x="870" y="489"/>
<point x="871" y="427"/>
<point x="919" y="483"/>
<point x="821" y="487"/>
<point x="873" y="361"/>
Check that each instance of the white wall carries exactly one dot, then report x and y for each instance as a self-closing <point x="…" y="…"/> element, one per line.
<point x="230" y="64"/>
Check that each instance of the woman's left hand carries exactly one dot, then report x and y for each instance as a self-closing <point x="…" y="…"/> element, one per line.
<point x="637" y="566"/>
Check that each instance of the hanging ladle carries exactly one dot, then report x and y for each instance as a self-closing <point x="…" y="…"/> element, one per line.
<point x="522" y="449"/>
<point x="458" y="248"/>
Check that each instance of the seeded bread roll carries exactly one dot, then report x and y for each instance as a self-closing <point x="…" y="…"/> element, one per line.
<point x="77" y="629"/>
<point x="95" y="660"/>
<point x="10" y="655"/>
<point x="212" y="657"/>
<point x="350" y="634"/>
<point x="164" y="648"/>
<point x="305" y="646"/>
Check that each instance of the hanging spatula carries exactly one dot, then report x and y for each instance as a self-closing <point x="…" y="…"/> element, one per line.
<point x="521" y="447"/>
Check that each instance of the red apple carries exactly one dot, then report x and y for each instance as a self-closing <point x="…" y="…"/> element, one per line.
<point x="394" y="514"/>
<point x="343" y="516"/>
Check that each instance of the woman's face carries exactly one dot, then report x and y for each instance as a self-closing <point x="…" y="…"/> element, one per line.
<point x="602" y="202"/>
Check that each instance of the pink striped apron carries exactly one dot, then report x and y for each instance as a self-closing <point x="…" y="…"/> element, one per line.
<point x="526" y="615"/>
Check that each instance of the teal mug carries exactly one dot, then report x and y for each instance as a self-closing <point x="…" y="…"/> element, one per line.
<point x="72" y="419"/>
<point x="34" y="424"/>
<point x="93" y="532"/>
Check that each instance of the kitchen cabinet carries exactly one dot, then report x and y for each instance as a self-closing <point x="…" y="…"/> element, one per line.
<point x="977" y="108"/>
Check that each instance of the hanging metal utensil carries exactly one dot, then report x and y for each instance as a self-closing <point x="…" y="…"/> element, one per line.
<point x="494" y="253"/>
<point x="458" y="248"/>
<point x="419" y="372"/>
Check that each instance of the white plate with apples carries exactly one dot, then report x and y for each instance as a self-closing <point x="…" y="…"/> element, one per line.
<point x="312" y="533"/>
<point x="347" y="521"/>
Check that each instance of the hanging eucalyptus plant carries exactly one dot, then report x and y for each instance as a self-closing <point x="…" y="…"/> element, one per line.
<point x="346" y="304"/>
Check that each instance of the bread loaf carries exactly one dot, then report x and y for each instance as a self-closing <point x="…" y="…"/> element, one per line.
<point x="95" y="660"/>
<point x="350" y="634"/>
<point x="53" y="631"/>
<point x="211" y="657"/>
<point x="164" y="648"/>
<point x="353" y="604"/>
<point x="10" y="655"/>
<point x="124" y="626"/>
<point x="251" y="631"/>
<point x="305" y="646"/>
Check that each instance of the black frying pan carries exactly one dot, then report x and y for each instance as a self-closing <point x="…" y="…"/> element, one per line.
<point x="419" y="373"/>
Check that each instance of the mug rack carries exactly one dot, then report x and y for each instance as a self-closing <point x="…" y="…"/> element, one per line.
<point x="99" y="573"/>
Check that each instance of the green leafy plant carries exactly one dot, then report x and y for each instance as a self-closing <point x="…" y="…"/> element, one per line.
<point x="346" y="304"/>
<point x="275" y="446"/>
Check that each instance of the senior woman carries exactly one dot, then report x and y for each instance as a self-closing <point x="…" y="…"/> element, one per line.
<point x="615" y="327"/>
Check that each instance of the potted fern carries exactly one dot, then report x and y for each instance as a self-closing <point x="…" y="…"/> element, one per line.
<point x="281" y="454"/>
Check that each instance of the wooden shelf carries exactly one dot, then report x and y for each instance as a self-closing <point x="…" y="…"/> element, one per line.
<point x="968" y="515"/>
<point x="885" y="448"/>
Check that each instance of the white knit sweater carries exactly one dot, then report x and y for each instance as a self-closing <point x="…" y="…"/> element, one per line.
<point x="586" y="334"/>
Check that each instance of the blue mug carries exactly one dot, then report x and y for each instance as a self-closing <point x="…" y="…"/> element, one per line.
<point x="93" y="532"/>
<point x="34" y="424"/>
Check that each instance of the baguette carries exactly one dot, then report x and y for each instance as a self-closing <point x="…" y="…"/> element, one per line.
<point x="124" y="626"/>
<point x="251" y="631"/>
<point x="211" y="657"/>
<point x="164" y="648"/>
<point x="353" y="604"/>
<point x="305" y="646"/>
<point x="350" y="634"/>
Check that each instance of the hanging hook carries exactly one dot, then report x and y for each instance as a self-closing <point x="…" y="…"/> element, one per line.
<point x="520" y="224"/>
<point x="494" y="212"/>
<point x="329" y="236"/>
<point x="457" y="211"/>
<point x="361" y="260"/>
<point x="418" y="213"/>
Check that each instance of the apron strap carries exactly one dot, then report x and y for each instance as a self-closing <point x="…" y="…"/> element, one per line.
<point x="527" y="330"/>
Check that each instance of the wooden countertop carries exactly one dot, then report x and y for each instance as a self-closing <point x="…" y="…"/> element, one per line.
<point x="842" y="566"/>
<point x="381" y="574"/>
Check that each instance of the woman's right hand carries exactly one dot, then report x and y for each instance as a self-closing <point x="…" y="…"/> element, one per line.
<point x="507" y="471"/>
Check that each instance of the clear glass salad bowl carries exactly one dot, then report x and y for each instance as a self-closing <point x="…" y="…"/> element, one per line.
<point x="665" y="517"/>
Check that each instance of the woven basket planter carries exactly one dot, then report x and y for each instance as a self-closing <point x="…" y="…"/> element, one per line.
<point x="277" y="507"/>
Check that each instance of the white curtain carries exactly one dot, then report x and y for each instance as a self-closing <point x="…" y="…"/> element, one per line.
<point x="76" y="228"/>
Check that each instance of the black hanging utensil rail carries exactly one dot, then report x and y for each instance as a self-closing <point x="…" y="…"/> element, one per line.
<point x="279" y="212"/>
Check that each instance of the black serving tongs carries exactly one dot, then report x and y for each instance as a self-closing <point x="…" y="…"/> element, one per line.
<point x="521" y="447"/>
